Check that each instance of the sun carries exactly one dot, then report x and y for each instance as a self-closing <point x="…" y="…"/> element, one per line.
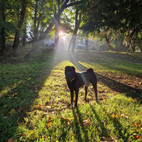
<point x="61" y="33"/>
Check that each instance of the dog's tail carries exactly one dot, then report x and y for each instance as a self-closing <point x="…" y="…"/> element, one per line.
<point x="90" y="70"/>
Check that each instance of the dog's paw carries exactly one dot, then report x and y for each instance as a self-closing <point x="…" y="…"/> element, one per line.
<point x="97" y="102"/>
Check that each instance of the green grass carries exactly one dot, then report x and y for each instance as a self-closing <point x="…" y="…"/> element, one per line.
<point x="101" y="63"/>
<point x="34" y="104"/>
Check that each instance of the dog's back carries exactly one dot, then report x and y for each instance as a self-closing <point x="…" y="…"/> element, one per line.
<point x="85" y="78"/>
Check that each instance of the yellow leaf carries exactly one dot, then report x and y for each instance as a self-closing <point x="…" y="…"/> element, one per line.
<point x="73" y="98"/>
<point x="12" y="111"/>
<point x="52" y="105"/>
<point x="122" y="115"/>
<point x="113" y="116"/>
<point x="14" y="94"/>
<point x="72" y="119"/>
<point x="39" y="105"/>
<point x="5" y="105"/>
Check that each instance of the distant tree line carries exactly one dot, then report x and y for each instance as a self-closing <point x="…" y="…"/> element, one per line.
<point x="119" y="20"/>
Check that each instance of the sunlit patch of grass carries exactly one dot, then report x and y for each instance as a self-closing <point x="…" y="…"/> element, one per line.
<point x="115" y="66"/>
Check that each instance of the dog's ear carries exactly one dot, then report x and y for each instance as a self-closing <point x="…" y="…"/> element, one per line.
<point x="66" y="67"/>
<point x="73" y="68"/>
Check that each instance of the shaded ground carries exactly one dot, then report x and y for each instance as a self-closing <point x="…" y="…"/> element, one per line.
<point x="120" y="56"/>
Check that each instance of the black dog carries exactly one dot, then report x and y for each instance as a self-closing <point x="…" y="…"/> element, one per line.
<point x="76" y="80"/>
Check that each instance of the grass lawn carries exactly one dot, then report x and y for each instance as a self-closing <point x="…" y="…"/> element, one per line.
<point x="34" y="101"/>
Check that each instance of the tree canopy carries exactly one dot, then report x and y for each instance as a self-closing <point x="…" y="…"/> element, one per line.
<point x="122" y="17"/>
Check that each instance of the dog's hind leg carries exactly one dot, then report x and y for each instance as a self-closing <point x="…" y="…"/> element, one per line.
<point x="86" y="87"/>
<point x="95" y="89"/>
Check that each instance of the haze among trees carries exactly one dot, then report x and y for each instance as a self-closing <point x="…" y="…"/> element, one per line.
<point x="31" y="21"/>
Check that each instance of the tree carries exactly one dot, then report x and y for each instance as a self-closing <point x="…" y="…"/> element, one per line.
<point x="62" y="5"/>
<point x="2" y="27"/>
<point x="20" y="23"/>
<point x="120" y="16"/>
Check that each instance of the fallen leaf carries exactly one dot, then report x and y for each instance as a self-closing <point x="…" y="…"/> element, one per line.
<point x="48" y="125"/>
<point x="108" y="139"/>
<point x="1" y="95"/>
<point x="136" y="137"/>
<point x="113" y="116"/>
<point x="20" y="109"/>
<point x="65" y="88"/>
<point x="52" y="105"/>
<point x="132" y="100"/>
<point x="122" y="115"/>
<point x="72" y="119"/>
<point x="63" y="118"/>
<point x="50" y="117"/>
<point x="10" y="140"/>
<point x="12" y="111"/>
<point x="39" y="106"/>
<point x="14" y="94"/>
<point x="5" y="105"/>
<point x="86" y="122"/>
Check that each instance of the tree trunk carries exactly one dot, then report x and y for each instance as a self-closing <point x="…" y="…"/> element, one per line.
<point x="2" y="33"/>
<point x="86" y="41"/>
<point x="35" y="20"/>
<point x="56" y="35"/>
<point x="132" y="46"/>
<point x="108" y="43"/>
<point x="24" y="37"/>
<point x="73" y="39"/>
<point x="140" y="48"/>
<point x="57" y="25"/>
<point x="20" y="23"/>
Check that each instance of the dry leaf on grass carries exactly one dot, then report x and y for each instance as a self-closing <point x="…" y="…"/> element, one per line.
<point x="10" y="140"/>
<point x="86" y="122"/>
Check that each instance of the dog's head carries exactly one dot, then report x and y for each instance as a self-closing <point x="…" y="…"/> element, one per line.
<point x="70" y="73"/>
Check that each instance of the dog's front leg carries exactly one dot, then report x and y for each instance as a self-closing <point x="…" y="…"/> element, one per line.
<point x="86" y="87"/>
<point x="76" y="99"/>
<point x="72" y="94"/>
